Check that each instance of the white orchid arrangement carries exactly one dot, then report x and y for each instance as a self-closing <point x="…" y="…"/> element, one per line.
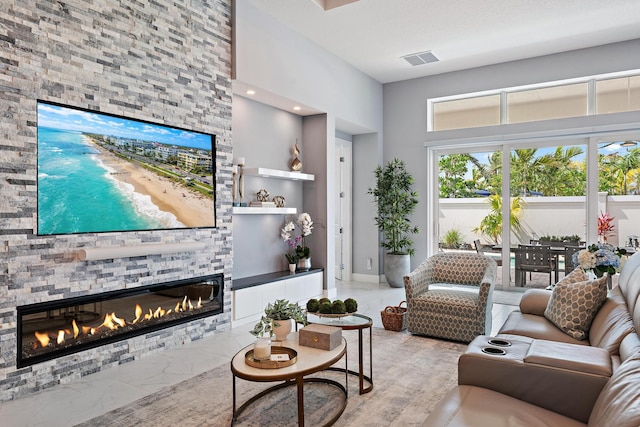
<point x="297" y="247"/>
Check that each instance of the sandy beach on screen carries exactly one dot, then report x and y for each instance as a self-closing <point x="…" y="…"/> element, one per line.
<point x="190" y="208"/>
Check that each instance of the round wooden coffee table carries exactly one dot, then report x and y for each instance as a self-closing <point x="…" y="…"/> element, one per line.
<point x="309" y="361"/>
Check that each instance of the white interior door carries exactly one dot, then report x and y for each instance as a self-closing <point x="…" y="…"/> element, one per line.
<point x="342" y="230"/>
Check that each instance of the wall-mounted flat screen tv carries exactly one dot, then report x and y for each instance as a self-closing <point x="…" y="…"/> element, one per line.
<point x="102" y="173"/>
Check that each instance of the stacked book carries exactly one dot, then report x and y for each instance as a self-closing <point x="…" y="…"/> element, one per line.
<point x="257" y="204"/>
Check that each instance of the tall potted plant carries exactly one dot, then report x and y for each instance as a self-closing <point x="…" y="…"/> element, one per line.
<point x="396" y="201"/>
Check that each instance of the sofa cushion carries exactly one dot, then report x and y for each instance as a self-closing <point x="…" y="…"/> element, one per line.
<point x="448" y="301"/>
<point x="466" y="406"/>
<point x="619" y="402"/>
<point x="576" y="276"/>
<point x="533" y="326"/>
<point x="610" y="325"/>
<point x="573" y="306"/>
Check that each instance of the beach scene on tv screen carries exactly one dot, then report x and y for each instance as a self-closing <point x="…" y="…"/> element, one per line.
<point x="100" y="173"/>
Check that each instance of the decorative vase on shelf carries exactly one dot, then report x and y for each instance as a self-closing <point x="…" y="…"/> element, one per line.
<point x="282" y="330"/>
<point x="292" y="268"/>
<point x="304" y="263"/>
<point x="262" y="348"/>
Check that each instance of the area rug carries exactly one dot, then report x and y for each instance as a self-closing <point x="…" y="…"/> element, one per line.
<point x="410" y="375"/>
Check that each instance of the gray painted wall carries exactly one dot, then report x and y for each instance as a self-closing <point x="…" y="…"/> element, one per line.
<point x="405" y="106"/>
<point x="265" y="137"/>
<point x="318" y="201"/>
<point x="366" y="157"/>
<point x="272" y="58"/>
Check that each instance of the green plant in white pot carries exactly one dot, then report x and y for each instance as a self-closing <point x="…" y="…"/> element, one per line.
<point x="277" y="319"/>
<point x="396" y="201"/>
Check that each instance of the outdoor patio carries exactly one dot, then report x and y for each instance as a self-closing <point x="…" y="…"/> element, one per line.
<point x="537" y="281"/>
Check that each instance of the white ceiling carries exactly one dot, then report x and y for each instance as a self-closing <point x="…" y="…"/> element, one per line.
<point x="374" y="35"/>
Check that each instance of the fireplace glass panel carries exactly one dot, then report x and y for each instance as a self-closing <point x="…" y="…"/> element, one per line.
<point x="54" y="329"/>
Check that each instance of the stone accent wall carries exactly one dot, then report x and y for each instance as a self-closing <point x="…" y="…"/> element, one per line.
<point x="163" y="61"/>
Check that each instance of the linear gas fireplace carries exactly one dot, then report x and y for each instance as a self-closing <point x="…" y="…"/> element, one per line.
<point x="58" y="328"/>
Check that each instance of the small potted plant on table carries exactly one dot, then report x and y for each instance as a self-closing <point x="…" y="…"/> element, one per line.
<point x="277" y="317"/>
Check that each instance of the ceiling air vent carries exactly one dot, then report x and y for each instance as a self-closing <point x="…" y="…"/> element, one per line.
<point x="420" y="58"/>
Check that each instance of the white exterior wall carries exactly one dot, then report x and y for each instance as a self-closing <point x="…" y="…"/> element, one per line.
<point x="544" y="216"/>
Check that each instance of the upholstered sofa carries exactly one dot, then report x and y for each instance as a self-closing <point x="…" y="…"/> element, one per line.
<point x="449" y="295"/>
<point x="534" y="373"/>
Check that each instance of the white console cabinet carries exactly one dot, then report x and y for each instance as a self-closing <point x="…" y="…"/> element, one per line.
<point x="252" y="294"/>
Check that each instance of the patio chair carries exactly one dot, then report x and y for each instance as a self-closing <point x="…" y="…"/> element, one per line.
<point x="450" y="295"/>
<point x="493" y="255"/>
<point x="568" y="255"/>
<point x="533" y="259"/>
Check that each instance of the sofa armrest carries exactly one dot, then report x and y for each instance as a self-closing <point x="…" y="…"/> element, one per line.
<point x="534" y="301"/>
<point x="417" y="282"/>
<point x="563" y="378"/>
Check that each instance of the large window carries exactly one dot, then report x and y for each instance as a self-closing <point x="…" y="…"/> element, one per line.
<point x="471" y="112"/>
<point x="547" y="103"/>
<point x="548" y="193"/>
<point x="618" y="95"/>
<point x="552" y="100"/>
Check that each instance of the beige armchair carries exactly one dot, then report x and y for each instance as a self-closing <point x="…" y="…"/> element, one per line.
<point x="459" y="312"/>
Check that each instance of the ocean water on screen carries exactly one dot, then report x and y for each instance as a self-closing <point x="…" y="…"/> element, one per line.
<point x="78" y="193"/>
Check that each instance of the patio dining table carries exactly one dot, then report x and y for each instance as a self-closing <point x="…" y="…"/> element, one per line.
<point x="556" y="252"/>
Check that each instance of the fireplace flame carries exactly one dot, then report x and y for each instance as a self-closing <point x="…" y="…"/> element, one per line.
<point x="109" y="322"/>
<point x="76" y="330"/>
<point x="138" y="314"/>
<point x="43" y="338"/>
<point x="60" y="338"/>
<point x="112" y="322"/>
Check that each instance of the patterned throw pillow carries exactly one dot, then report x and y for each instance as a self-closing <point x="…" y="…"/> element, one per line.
<point x="577" y="275"/>
<point x="573" y="306"/>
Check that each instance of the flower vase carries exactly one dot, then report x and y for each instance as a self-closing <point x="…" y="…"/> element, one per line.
<point x="292" y="268"/>
<point x="304" y="263"/>
<point x="262" y="349"/>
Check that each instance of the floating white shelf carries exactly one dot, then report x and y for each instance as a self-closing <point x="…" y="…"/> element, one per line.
<point x="254" y="210"/>
<point x="274" y="173"/>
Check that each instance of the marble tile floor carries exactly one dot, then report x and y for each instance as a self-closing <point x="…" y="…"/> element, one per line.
<point x="82" y="399"/>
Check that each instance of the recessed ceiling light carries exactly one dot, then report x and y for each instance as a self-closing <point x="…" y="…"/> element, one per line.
<point x="296" y="108"/>
<point x="251" y="92"/>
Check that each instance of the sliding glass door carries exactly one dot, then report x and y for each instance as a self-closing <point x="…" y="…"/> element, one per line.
<point x="524" y="192"/>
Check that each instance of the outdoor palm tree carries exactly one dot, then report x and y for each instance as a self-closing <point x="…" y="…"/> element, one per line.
<point x="564" y="176"/>
<point x="491" y="225"/>
<point x="627" y="163"/>
<point x="528" y="170"/>
<point x="488" y="176"/>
